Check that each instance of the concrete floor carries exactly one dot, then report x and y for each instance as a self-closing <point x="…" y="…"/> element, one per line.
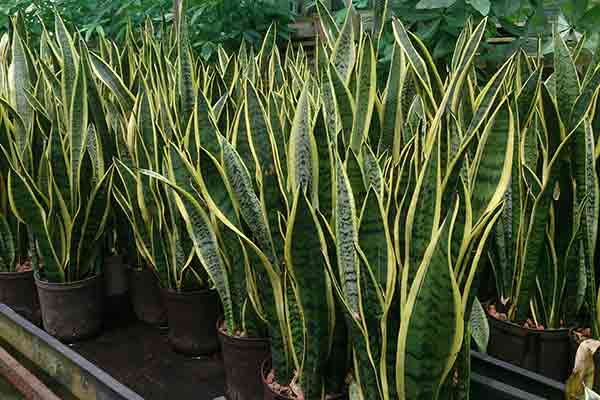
<point x="139" y="356"/>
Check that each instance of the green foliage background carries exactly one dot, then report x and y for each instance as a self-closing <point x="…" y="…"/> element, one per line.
<point x="212" y="22"/>
<point x="228" y="22"/>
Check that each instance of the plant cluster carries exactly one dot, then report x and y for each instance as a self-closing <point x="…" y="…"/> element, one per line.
<point x="347" y="223"/>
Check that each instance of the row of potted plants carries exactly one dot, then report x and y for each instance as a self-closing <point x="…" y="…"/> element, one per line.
<point x="334" y="229"/>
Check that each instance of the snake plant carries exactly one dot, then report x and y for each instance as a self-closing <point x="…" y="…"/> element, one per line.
<point x="544" y="244"/>
<point x="13" y="235"/>
<point x="58" y="183"/>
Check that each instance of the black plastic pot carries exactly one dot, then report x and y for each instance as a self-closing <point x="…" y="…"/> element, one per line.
<point x="72" y="311"/>
<point x="115" y="286"/>
<point x="546" y="352"/>
<point x="242" y="359"/>
<point x="145" y="297"/>
<point x="192" y="318"/>
<point x="17" y="290"/>
<point x="269" y="394"/>
<point x="493" y="379"/>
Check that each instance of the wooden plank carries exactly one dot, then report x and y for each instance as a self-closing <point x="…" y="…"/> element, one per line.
<point x="25" y="382"/>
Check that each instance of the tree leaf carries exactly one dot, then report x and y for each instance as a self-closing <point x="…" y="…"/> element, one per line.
<point x="432" y="4"/>
<point x="483" y="6"/>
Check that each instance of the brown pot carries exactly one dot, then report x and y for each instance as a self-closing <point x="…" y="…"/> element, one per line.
<point x="146" y="298"/>
<point x="72" y="311"/>
<point x="546" y="352"/>
<point x="269" y="394"/>
<point x="242" y="359"/>
<point x="192" y="318"/>
<point x="17" y="290"/>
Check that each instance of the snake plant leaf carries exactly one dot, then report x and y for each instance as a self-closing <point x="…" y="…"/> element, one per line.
<point x="247" y="201"/>
<point x="463" y="66"/>
<point x="368" y="345"/>
<point x="366" y="91"/>
<point x="355" y="177"/>
<point x="417" y="63"/>
<point x="565" y="79"/>
<point x="78" y="130"/>
<point x="346" y="237"/>
<point x="205" y="127"/>
<point x="258" y="131"/>
<point x="526" y="98"/>
<point x="242" y="143"/>
<point x="234" y="255"/>
<point x="7" y="246"/>
<point x="535" y="237"/>
<point x="214" y="185"/>
<point x="202" y="233"/>
<point x="296" y="323"/>
<point x="590" y="227"/>
<point x="374" y="240"/>
<point x="20" y="84"/>
<point x="96" y="110"/>
<point x="345" y="104"/>
<point x="21" y="142"/>
<point x="487" y="98"/>
<point x="391" y="134"/>
<point x="113" y="81"/>
<point x="591" y="395"/>
<point x="344" y="52"/>
<point x="70" y="62"/>
<point x="185" y="77"/>
<point x="574" y="289"/>
<point x="96" y="215"/>
<point x="495" y="162"/>
<point x="373" y="176"/>
<point x="328" y="24"/>
<point x="325" y="158"/>
<point x="480" y="329"/>
<point x="303" y="154"/>
<point x="425" y="355"/>
<point x="584" y="100"/>
<point x="279" y="135"/>
<point x="29" y="211"/>
<point x="304" y="259"/>
<point x="420" y="219"/>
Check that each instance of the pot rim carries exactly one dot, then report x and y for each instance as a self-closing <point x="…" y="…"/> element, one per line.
<point x="62" y="286"/>
<point x="187" y="293"/>
<point x="529" y="330"/>
<point x="239" y="338"/>
<point x="16" y="275"/>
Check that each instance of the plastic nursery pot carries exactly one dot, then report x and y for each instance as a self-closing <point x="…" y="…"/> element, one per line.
<point x="145" y="297"/>
<point x="115" y="276"/>
<point x="17" y="290"/>
<point x="115" y="285"/>
<point x="546" y="352"/>
<point x="72" y="311"/>
<point x="270" y="394"/>
<point x="242" y="359"/>
<point x="192" y="318"/>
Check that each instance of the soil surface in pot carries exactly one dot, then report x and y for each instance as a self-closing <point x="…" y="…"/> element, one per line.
<point x="25" y="266"/>
<point x="275" y="391"/>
